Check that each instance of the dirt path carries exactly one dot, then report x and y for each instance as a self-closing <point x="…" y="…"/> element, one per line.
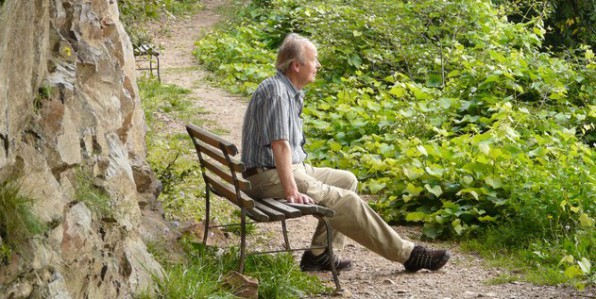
<point x="465" y="276"/>
<point x="179" y="67"/>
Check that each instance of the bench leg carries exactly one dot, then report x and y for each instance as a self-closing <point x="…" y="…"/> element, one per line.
<point x="151" y="64"/>
<point x="242" y="240"/>
<point x="158" y="73"/>
<point x="330" y="252"/>
<point x="285" y="233"/>
<point x="207" y="217"/>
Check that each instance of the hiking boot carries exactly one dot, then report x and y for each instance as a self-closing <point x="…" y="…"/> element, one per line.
<point x="422" y="258"/>
<point x="310" y="262"/>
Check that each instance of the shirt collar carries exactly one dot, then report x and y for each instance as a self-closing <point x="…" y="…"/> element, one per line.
<point x="295" y="93"/>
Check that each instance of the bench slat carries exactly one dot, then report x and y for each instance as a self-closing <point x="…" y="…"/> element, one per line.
<point x="226" y="190"/>
<point x="311" y="209"/>
<point x="224" y="172"/>
<point x="290" y="212"/>
<point x="273" y="214"/>
<point x="211" y="139"/>
<point x="217" y="155"/>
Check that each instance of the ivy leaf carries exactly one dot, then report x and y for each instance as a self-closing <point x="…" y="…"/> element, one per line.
<point x="436" y="190"/>
<point x="493" y="182"/>
<point x="457" y="226"/>
<point x="413" y="173"/>
<point x="356" y="33"/>
<point x="407" y="197"/>
<point x="487" y="218"/>
<point x="355" y="60"/>
<point x="419" y="93"/>
<point x="585" y="265"/>
<point x="573" y="272"/>
<point x="432" y="230"/>
<point x="397" y="91"/>
<point x="468" y="191"/>
<point x="435" y="171"/>
<point x="422" y="150"/>
<point x="484" y="148"/>
<point x="413" y="189"/>
<point x="416" y="216"/>
<point x="586" y="221"/>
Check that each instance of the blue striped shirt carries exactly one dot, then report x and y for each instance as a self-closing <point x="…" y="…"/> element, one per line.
<point x="273" y="114"/>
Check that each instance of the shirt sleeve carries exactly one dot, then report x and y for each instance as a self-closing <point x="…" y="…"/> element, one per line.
<point x="276" y="118"/>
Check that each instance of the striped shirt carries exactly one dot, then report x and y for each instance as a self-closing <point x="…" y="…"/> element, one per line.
<point x="273" y="114"/>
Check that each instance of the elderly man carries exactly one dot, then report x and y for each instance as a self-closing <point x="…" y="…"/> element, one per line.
<point x="273" y="152"/>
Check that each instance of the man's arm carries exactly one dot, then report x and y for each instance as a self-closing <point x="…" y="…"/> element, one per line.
<point x="282" y="153"/>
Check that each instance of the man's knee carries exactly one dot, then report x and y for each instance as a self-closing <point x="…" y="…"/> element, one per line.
<point x="351" y="181"/>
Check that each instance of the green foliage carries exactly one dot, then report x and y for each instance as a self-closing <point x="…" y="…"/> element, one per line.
<point x="449" y="113"/>
<point x="567" y="261"/>
<point x="44" y="93"/>
<point x="568" y="23"/>
<point x="17" y="221"/>
<point x="95" y="198"/>
<point x="202" y="275"/>
<point x="5" y="253"/>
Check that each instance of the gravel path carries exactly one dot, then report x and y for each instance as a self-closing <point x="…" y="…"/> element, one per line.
<point x="465" y="276"/>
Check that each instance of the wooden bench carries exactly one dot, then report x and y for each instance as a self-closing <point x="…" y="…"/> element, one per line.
<point x="147" y="53"/>
<point x="222" y="173"/>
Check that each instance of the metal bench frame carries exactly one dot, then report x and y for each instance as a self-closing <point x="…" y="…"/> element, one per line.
<point x="144" y="53"/>
<point x="222" y="173"/>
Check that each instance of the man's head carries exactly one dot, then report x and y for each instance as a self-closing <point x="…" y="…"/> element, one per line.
<point x="297" y="59"/>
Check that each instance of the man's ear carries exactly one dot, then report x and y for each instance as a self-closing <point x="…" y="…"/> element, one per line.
<point x="295" y="66"/>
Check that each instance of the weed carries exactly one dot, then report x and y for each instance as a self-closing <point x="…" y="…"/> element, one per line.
<point x="5" y="253"/>
<point x="17" y="221"/>
<point x="44" y="93"/>
<point x="96" y="199"/>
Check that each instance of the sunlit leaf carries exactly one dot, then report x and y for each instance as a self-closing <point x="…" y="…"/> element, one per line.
<point x="585" y="265"/>
<point x="586" y="221"/>
<point x="397" y="91"/>
<point x="415" y="216"/>
<point x="422" y="150"/>
<point x="495" y="183"/>
<point x="436" y="190"/>
<point x="457" y="226"/>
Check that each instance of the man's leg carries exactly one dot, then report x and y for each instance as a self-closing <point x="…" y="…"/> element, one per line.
<point x="338" y="178"/>
<point x="353" y="216"/>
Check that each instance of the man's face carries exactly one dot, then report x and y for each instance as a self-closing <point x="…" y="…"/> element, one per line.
<point x="308" y="69"/>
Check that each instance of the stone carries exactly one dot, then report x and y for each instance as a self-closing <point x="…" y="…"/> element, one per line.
<point x="243" y="286"/>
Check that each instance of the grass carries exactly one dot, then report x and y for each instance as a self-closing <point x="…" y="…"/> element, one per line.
<point x="546" y="261"/>
<point x="96" y="199"/>
<point x="17" y="221"/>
<point x="202" y="274"/>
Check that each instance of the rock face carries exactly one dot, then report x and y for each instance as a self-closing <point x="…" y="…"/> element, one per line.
<point x="69" y="104"/>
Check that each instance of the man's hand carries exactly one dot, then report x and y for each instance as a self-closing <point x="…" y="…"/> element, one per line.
<point x="282" y="153"/>
<point x="300" y="198"/>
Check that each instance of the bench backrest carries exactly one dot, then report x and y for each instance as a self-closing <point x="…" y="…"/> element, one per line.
<point x="222" y="172"/>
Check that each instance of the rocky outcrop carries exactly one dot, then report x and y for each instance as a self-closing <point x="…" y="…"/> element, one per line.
<point x="69" y="104"/>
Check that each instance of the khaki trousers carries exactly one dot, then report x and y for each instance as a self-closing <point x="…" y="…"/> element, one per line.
<point x="336" y="189"/>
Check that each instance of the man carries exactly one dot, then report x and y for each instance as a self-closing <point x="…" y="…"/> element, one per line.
<point x="272" y="150"/>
